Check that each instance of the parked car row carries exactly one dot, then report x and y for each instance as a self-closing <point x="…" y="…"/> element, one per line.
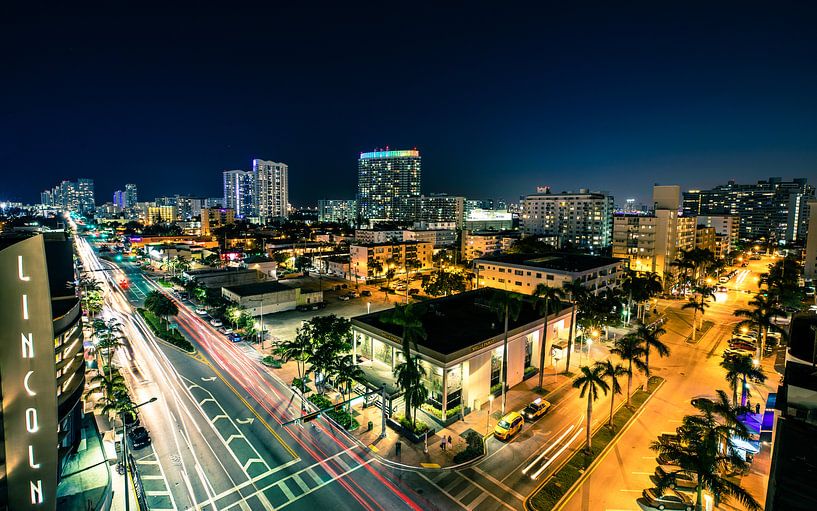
<point x="512" y="422"/>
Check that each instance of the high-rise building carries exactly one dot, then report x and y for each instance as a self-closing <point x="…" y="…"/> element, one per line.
<point x="726" y="228"/>
<point x="41" y="417"/>
<point x="131" y="196"/>
<point x="384" y="180"/>
<point x="810" y="270"/>
<point x="772" y="209"/>
<point x="85" y="195"/>
<point x="583" y="219"/>
<point x="434" y="208"/>
<point x="212" y="218"/>
<point x="76" y="196"/>
<point x="239" y="192"/>
<point x="342" y="211"/>
<point x="46" y="199"/>
<point x="119" y="199"/>
<point x="188" y="207"/>
<point x="161" y="214"/>
<point x="271" y="189"/>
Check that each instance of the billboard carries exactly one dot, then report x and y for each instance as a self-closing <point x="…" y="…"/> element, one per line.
<point x="28" y="376"/>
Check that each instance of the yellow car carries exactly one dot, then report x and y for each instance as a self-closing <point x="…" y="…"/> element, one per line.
<point x="536" y="409"/>
<point x="508" y="426"/>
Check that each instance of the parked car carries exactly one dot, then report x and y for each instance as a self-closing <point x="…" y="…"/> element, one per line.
<point x="365" y="292"/>
<point x="139" y="437"/>
<point x="234" y="337"/>
<point x="508" y="426"/>
<point x="184" y="296"/>
<point x="667" y="499"/>
<point x="216" y="322"/>
<point x="737" y="344"/>
<point x="345" y="298"/>
<point x="536" y="409"/>
<point x="201" y="312"/>
<point x="352" y="294"/>
<point x="737" y="352"/>
<point x="678" y="478"/>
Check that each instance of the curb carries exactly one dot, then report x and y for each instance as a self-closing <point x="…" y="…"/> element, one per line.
<point x="598" y="459"/>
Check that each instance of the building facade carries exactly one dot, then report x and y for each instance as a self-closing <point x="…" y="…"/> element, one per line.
<point x="212" y="218"/>
<point x="161" y="215"/>
<point x="131" y="195"/>
<point x="363" y="236"/>
<point x="475" y="244"/>
<point x="727" y="228"/>
<point x="398" y="255"/>
<point x="488" y="219"/>
<point x="771" y="209"/>
<point x="810" y="266"/>
<point x="75" y="196"/>
<point x="521" y="273"/>
<point x="343" y="211"/>
<point x="239" y="192"/>
<point x="434" y="208"/>
<point x="583" y="219"/>
<point x="652" y="242"/>
<point x="41" y="368"/>
<point x="271" y="189"/>
<point x="384" y="180"/>
<point x="439" y="238"/>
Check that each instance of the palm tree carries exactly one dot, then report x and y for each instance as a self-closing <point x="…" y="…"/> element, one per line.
<point x="590" y="380"/>
<point x="738" y="370"/>
<point x="546" y="298"/>
<point x="576" y="291"/>
<point x="375" y="268"/>
<point x="346" y="372"/>
<point x="407" y="317"/>
<point x="760" y="318"/>
<point x="409" y="375"/>
<point x="506" y="306"/>
<point x="629" y="348"/>
<point x="160" y="305"/>
<point x="110" y="342"/>
<point x="651" y="339"/>
<point x="702" y="455"/>
<point x="612" y="372"/>
<point x="110" y="384"/>
<point x="698" y="306"/>
<point x="651" y="285"/>
<point x="297" y="349"/>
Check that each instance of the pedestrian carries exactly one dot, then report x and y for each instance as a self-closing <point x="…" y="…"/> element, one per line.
<point x="450" y="442"/>
<point x="442" y="444"/>
<point x="757" y="408"/>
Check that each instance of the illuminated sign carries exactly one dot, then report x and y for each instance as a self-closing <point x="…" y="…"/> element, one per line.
<point x="28" y="377"/>
<point x="411" y="153"/>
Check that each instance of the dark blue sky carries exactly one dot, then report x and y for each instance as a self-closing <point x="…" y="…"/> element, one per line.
<point x="498" y="101"/>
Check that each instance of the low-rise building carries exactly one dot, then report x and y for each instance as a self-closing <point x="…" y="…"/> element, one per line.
<point x="482" y="243"/>
<point x="726" y="226"/>
<point x="269" y="297"/>
<point x="265" y="265"/>
<point x="485" y="219"/>
<point x="378" y="235"/>
<point x="225" y="277"/>
<point x="521" y="273"/>
<point x="213" y="218"/>
<point x="439" y="238"/>
<point x="652" y="242"/>
<point x="462" y="352"/>
<point x="394" y="254"/>
<point x="161" y="214"/>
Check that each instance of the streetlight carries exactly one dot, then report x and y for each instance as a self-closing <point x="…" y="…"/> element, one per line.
<point x="490" y="410"/>
<point x="368" y="307"/>
<point x="125" y="446"/>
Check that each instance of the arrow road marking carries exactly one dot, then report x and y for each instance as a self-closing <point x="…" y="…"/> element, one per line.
<point x="245" y="421"/>
<point x="212" y="378"/>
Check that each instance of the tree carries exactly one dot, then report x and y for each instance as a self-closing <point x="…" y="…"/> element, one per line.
<point x="347" y="372"/>
<point x="760" y="318"/>
<point x="409" y="375"/>
<point x="577" y="293"/>
<point x="160" y="305"/>
<point x="407" y="317"/>
<point x="629" y="349"/>
<point x="651" y="339"/>
<point x="110" y="340"/>
<point x="703" y="454"/>
<point x="698" y="305"/>
<point x="506" y="306"/>
<point x="375" y="268"/>
<point x="611" y="372"/>
<point x="590" y="380"/>
<point x="115" y="398"/>
<point x="331" y="336"/>
<point x="738" y="370"/>
<point x="548" y="300"/>
<point x="297" y="349"/>
<point x="302" y="263"/>
<point x="443" y="282"/>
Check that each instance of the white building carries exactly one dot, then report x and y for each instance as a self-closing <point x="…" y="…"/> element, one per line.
<point x="271" y="189"/>
<point x="378" y="235"/>
<point x="437" y="237"/>
<point x="583" y="219"/>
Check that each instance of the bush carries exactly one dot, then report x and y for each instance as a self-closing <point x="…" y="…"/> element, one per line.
<point x="418" y="429"/>
<point x="530" y="371"/>
<point x="342" y="417"/>
<point x="436" y="412"/>
<point x="496" y="389"/>
<point x="271" y="361"/>
<point x="171" y="336"/>
<point x="474" y="448"/>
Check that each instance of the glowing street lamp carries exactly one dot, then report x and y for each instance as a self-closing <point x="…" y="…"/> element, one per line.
<point x="490" y="409"/>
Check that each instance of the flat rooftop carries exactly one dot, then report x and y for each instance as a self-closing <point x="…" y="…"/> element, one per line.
<point x="209" y="272"/>
<point x="457" y="322"/>
<point x="258" y="288"/>
<point x="555" y="261"/>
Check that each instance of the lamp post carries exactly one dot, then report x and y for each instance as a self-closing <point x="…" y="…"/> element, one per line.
<point x="368" y="307"/>
<point x="125" y="447"/>
<point x="490" y="410"/>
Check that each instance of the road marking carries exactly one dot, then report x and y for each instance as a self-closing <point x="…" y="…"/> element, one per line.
<point x="251" y="461"/>
<point x="300" y="482"/>
<point x="314" y="476"/>
<point x="245" y="421"/>
<point x="477" y="501"/>
<point x="212" y="378"/>
<point x="445" y="492"/>
<point x="207" y="400"/>
<point x="327" y="482"/>
<point x="233" y="437"/>
<point x="286" y="491"/>
<point x="158" y="493"/>
<point x="373" y="448"/>
<point x="430" y="465"/>
<point x="217" y="417"/>
<point x="151" y="478"/>
<point x="499" y="483"/>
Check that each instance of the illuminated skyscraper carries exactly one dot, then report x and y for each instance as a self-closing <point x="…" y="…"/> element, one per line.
<point x="239" y="192"/>
<point x="271" y="187"/>
<point x="131" y="195"/>
<point x="385" y="179"/>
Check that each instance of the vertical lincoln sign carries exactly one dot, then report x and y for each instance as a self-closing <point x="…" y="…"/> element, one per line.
<point x="28" y="371"/>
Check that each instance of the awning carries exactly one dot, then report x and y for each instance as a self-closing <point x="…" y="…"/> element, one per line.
<point x="751" y="446"/>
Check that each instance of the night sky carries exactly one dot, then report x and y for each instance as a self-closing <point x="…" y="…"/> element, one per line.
<point x="497" y="101"/>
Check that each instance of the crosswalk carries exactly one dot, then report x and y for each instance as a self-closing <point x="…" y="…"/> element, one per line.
<point x="154" y="483"/>
<point x="462" y="487"/>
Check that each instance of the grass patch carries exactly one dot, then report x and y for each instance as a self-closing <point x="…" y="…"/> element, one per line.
<point x="548" y="495"/>
<point x="271" y="361"/>
<point x="339" y="415"/>
<point x="165" y="283"/>
<point x="160" y="330"/>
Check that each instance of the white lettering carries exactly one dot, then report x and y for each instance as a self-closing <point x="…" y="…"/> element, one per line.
<point x="25" y="306"/>
<point x="20" y="272"/>
<point x="31" y="458"/>
<point x="26" y="385"/>
<point x="32" y="422"/>
<point x="28" y="345"/>
<point x="36" y="492"/>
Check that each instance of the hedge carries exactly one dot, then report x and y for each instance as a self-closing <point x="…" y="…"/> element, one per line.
<point x="418" y="428"/>
<point x="436" y="412"/>
<point x="162" y="332"/>
<point x="342" y="417"/>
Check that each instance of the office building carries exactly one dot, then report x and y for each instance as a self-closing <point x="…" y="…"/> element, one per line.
<point x="119" y="199"/>
<point x="131" y="195"/>
<point x="810" y="270"/>
<point x="462" y="352"/>
<point x="75" y="196"/>
<point x="271" y="185"/>
<point x="395" y="254"/>
<point x="792" y="474"/>
<point x="341" y="211"/>
<point x="188" y="207"/>
<point x="433" y="208"/>
<point x="41" y="415"/>
<point x="239" y="192"/>
<point x="521" y="273"/>
<point x="583" y="219"/>
<point x="384" y="180"/>
<point x="772" y="209"/>
<point x="213" y="218"/>
<point x="476" y="244"/>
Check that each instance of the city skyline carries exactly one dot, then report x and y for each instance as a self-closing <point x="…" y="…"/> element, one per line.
<point x="497" y="109"/>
